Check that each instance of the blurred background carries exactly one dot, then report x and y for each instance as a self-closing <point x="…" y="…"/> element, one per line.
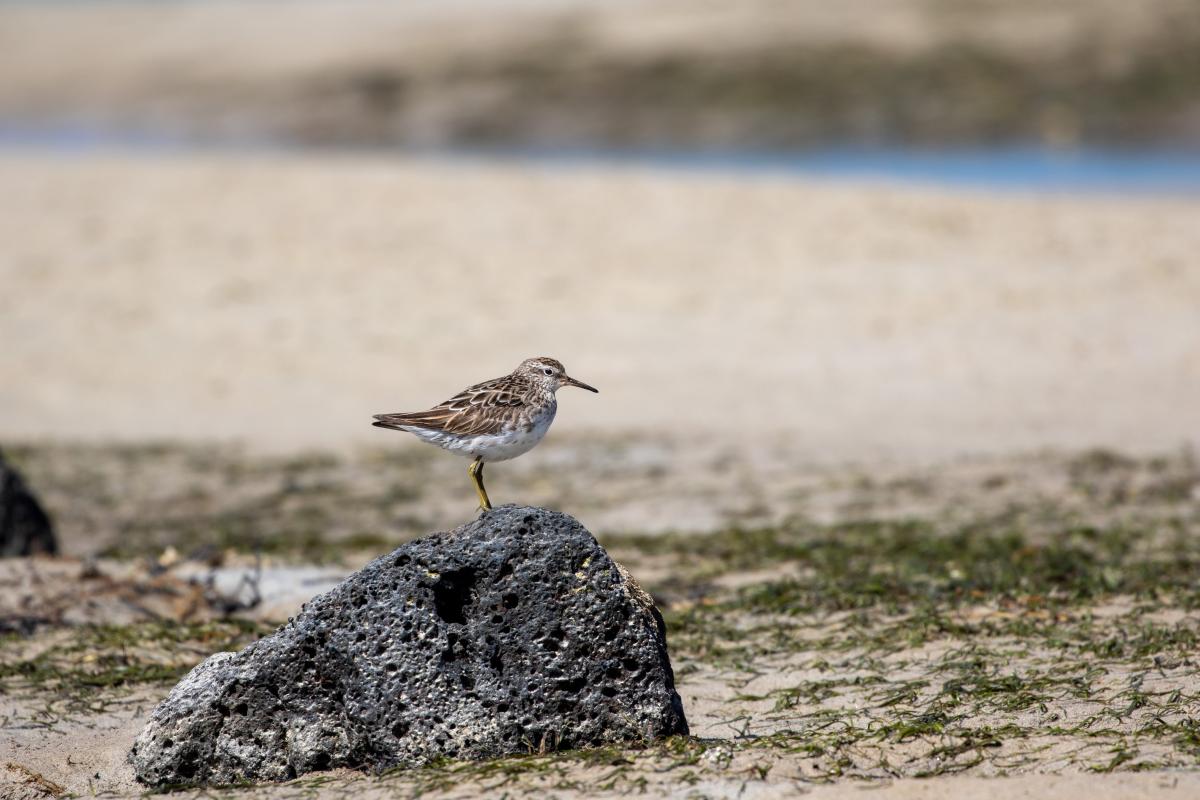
<point x="901" y="228"/>
<point x="893" y="307"/>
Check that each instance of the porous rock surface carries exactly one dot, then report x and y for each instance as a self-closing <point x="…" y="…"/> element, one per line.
<point x="513" y="633"/>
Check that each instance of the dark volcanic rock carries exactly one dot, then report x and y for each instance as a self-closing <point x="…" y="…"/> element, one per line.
<point x="24" y="527"/>
<point x="513" y="633"/>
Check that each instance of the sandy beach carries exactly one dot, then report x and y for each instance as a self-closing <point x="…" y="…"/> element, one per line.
<point x="910" y="470"/>
<point x="1004" y="625"/>
<point x="281" y="301"/>
<point x="194" y="343"/>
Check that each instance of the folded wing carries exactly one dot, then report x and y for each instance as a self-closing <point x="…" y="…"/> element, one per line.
<point x="487" y="408"/>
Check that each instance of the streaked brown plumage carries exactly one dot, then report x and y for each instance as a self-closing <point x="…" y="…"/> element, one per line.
<point x="491" y="421"/>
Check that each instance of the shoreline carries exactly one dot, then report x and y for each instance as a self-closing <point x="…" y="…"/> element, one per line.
<point x="1020" y="169"/>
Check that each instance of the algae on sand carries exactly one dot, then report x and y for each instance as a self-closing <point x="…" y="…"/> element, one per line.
<point x="966" y="619"/>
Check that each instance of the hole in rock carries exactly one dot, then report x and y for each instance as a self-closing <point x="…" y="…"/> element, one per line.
<point x="241" y="709"/>
<point x="608" y="691"/>
<point x="322" y="761"/>
<point x="452" y="593"/>
<point x="399" y="729"/>
<point x="449" y="655"/>
<point x="511" y="600"/>
<point x="168" y="743"/>
<point x="402" y="560"/>
<point x="506" y="569"/>
<point x="573" y="685"/>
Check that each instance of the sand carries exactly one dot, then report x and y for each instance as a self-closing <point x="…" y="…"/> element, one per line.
<point x="742" y="331"/>
<point x="833" y="701"/>
<point x="282" y="300"/>
<point x="767" y="349"/>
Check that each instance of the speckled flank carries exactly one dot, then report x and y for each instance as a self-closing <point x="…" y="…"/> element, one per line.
<point x="493" y="447"/>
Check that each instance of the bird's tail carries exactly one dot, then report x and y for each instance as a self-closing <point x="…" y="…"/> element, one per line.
<point x="390" y="421"/>
<point x="397" y="422"/>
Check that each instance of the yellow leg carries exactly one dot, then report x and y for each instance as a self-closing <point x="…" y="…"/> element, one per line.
<point x="476" y="473"/>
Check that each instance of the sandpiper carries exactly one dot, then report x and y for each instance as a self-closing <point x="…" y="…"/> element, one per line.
<point x="491" y="421"/>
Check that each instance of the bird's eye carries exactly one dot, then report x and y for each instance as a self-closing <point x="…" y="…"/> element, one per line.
<point x="548" y="371"/>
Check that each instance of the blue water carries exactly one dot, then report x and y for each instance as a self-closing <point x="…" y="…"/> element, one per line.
<point x="1023" y="168"/>
<point x="73" y="138"/>
<point x="1010" y="168"/>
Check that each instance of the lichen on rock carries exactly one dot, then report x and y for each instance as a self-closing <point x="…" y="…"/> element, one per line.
<point x="513" y="633"/>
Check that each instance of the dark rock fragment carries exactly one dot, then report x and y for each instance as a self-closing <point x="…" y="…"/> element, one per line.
<point x="25" y="528"/>
<point x="513" y="633"/>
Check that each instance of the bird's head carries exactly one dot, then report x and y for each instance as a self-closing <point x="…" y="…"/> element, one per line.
<point x="550" y="373"/>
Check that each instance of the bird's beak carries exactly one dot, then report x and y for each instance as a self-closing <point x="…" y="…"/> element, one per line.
<point x="567" y="380"/>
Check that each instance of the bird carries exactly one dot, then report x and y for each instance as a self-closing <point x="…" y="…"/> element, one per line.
<point x="496" y="420"/>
